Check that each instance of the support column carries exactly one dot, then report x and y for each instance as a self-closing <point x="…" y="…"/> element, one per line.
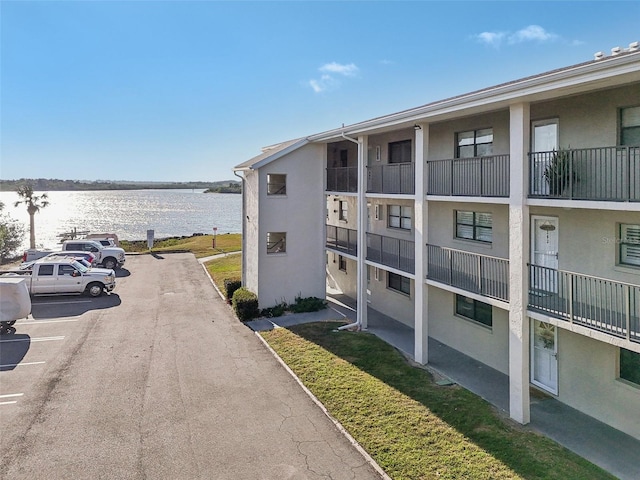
<point x="363" y="147"/>
<point x="420" y="218"/>
<point x="519" y="402"/>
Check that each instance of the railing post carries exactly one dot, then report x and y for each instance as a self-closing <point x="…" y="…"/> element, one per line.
<point x="479" y="265"/>
<point x="482" y="192"/>
<point x="628" y="154"/>
<point x="571" y="157"/>
<point x="627" y="305"/>
<point x="571" y="294"/>
<point x="451" y="177"/>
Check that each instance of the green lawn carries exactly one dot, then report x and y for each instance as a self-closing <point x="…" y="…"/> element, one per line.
<point x="412" y="427"/>
<point x="200" y="246"/>
<point x="229" y="267"/>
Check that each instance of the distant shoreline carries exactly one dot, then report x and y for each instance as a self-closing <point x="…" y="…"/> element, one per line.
<point x="54" y="185"/>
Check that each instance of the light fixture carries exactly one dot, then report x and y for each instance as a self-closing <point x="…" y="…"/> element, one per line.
<point x="547" y="227"/>
<point x="417" y="127"/>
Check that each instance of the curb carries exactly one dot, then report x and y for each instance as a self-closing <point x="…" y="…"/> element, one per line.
<point x="313" y="398"/>
<point x="336" y="423"/>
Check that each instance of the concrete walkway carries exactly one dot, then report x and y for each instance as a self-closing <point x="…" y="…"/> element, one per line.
<point x="612" y="450"/>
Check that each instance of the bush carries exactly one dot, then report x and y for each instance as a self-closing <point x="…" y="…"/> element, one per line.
<point x="245" y="304"/>
<point x="308" y="304"/>
<point x="230" y="286"/>
<point x="275" y="311"/>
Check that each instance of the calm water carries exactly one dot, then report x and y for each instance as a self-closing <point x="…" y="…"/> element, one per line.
<point x="130" y="213"/>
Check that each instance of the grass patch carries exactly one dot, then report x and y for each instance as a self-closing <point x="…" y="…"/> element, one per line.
<point x="200" y="245"/>
<point x="412" y="427"/>
<point x="225" y="267"/>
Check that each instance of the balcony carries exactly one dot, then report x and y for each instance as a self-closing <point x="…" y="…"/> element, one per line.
<point x="342" y="179"/>
<point x="472" y="177"/>
<point x="393" y="178"/>
<point x="481" y="274"/>
<point x="343" y="240"/>
<point x="597" y="174"/>
<point x="596" y="303"/>
<point x="392" y="252"/>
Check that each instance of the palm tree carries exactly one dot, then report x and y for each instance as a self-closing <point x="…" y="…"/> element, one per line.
<point x="34" y="203"/>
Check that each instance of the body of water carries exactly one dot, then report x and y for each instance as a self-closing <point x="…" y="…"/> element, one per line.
<point x="130" y="213"/>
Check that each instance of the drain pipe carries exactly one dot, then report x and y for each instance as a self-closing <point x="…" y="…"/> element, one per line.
<point x="244" y="215"/>
<point x="358" y="323"/>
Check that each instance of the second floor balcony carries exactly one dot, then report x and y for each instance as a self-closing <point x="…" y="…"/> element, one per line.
<point x="481" y="274"/>
<point x="597" y="174"/>
<point x="392" y="178"/>
<point x="392" y="252"/>
<point x="342" y="240"/>
<point x="473" y="177"/>
<point x="342" y="179"/>
<point x="593" y="302"/>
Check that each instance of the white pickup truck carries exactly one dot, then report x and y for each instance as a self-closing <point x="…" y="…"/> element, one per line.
<point x="63" y="275"/>
<point x="108" y="257"/>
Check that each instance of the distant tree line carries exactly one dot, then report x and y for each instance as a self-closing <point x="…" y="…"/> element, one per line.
<point x="231" y="187"/>
<point x="53" y="184"/>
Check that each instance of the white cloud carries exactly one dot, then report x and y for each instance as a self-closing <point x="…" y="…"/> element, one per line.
<point x="328" y="80"/>
<point x="531" y="33"/>
<point x="347" y="70"/>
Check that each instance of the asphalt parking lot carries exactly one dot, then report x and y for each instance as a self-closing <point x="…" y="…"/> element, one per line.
<point x="157" y="380"/>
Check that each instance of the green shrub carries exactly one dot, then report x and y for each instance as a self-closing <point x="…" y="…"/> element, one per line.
<point x="245" y="304"/>
<point x="308" y="304"/>
<point x="275" y="311"/>
<point x="230" y="286"/>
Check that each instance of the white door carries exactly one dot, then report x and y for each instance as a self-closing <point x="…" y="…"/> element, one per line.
<point x="544" y="356"/>
<point x="544" y="138"/>
<point x="544" y="253"/>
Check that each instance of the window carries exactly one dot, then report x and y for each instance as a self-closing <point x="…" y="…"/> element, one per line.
<point x="344" y="158"/>
<point x="400" y="152"/>
<point x="630" y="245"/>
<point x="276" y="184"/>
<point x="342" y="215"/>
<point x="630" y="366"/>
<point x="276" y="242"/>
<point x="67" y="270"/>
<point x="630" y="126"/>
<point x="45" y="271"/>
<point x="475" y="143"/>
<point x="474" y="310"/>
<point x="399" y="217"/>
<point x="342" y="263"/>
<point x="474" y="226"/>
<point x="398" y="283"/>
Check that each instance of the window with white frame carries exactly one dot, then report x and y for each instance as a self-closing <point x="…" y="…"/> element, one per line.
<point x="475" y="310"/>
<point x="343" y="210"/>
<point x="398" y="283"/>
<point x="630" y="126"/>
<point x="400" y="152"/>
<point x="630" y="244"/>
<point x="474" y="226"/>
<point x="474" y="143"/>
<point x="276" y="242"/>
<point x="342" y="263"/>
<point x="276" y="184"/>
<point x="630" y="366"/>
<point x="399" y="216"/>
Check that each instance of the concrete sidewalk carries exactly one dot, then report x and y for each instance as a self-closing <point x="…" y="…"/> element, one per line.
<point x="612" y="450"/>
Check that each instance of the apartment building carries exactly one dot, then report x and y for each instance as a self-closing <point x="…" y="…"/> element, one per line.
<point x="505" y="223"/>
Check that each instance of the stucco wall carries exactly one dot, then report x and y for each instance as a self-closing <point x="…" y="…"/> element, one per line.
<point x="345" y="282"/>
<point x="383" y="140"/>
<point x="389" y="302"/>
<point x="251" y="221"/>
<point x="487" y="345"/>
<point x="587" y="381"/>
<point x="441" y="228"/>
<point x="301" y="214"/>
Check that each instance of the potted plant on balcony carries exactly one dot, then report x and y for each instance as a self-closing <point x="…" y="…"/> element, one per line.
<point x="559" y="174"/>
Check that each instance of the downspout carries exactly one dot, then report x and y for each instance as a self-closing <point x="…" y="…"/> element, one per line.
<point x="358" y="323"/>
<point x="244" y="216"/>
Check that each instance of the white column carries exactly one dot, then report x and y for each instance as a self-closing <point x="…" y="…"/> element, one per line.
<point x="363" y="146"/>
<point x="519" y="403"/>
<point x="420" y="215"/>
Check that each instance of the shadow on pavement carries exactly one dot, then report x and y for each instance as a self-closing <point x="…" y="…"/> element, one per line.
<point x="13" y="348"/>
<point x="70" y="306"/>
<point x="122" y="272"/>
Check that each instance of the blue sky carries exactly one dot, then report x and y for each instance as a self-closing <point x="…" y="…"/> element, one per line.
<point x="183" y="91"/>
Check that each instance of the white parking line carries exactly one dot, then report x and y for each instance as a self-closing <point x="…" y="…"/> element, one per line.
<point x="37" y="339"/>
<point x="8" y="403"/>
<point x="20" y="364"/>
<point x="10" y="395"/>
<point x="34" y="322"/>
